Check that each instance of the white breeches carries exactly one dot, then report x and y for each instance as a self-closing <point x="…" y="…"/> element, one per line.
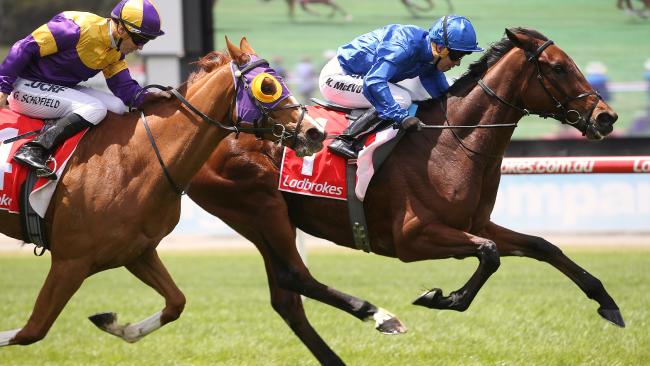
<point x="347" y="90"/>
<point x="50" y="101"/>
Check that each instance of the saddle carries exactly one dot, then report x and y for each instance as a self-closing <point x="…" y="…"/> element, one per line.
<point x="353" y="114"/>
<point x="356" y="211"/>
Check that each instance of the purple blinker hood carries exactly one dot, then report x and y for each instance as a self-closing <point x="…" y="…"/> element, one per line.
<point x="249" y="109"/>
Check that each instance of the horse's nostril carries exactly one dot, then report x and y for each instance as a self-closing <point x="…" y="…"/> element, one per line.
<point x="315" y="134"/>
<point x="606" y="118"/>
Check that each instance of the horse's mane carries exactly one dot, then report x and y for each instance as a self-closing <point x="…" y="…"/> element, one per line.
<point x="208" y="63"/>
<point x="477" y="69"/>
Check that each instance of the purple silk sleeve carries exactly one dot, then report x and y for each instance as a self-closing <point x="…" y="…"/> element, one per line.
<point x="125" y="88"/>
<point x="19" y="56"/>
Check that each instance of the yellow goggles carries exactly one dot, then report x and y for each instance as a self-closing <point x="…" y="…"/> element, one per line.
<point x="256" y="88"/>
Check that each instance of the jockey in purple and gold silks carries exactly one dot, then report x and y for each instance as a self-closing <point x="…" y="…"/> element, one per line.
<point x="41" y="73"/>
<point x="388" y="68"/>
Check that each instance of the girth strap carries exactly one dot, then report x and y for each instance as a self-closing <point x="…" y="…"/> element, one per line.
<point x="33" y="226"/>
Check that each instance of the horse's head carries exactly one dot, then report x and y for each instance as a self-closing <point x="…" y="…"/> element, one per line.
<point x="560" y="90"/>
<point x="264" y="103"/>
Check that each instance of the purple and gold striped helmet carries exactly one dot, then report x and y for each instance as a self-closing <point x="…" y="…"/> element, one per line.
<point x="139" y="17"/>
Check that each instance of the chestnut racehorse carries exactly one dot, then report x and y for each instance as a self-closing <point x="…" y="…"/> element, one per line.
<point x="114" y="204"/>
<point x="431" y="199"/>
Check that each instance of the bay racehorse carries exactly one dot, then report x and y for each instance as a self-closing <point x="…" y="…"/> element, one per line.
<point x="431" y="199"/>
<point x="115" y="202"/>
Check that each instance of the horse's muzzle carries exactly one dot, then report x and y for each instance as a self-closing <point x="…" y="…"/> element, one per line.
<point x="310" y="142"/>
<point x="315" y="134"/>
<point x="601" y="125"/>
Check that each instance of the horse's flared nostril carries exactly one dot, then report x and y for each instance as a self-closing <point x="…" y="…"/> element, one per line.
<point x="315" y="134"/>
<point x="606" y="118"/>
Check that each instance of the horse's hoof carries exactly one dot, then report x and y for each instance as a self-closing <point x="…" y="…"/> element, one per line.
<point x="387" y="323"/>
<point x="428" y="298"/>
<point x="391" y="326"/>
<point x="103" y="320"/>
<point x="613" y="316"/>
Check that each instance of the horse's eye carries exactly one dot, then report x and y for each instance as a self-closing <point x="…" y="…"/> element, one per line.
<point x="558" y="69"/>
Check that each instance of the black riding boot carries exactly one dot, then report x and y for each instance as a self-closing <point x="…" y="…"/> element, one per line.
<point x="36" y="152"/>
<point x="344" y="144"/>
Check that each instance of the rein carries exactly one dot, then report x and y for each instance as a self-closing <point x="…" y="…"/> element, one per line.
<point x="571" y="116"/>
<point x="278" y="130"/>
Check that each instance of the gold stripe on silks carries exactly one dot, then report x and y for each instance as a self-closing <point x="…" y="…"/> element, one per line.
<point x="45" y="40"/>
<point x="94" y="46"/>
<point x="114" y="68"/>
<point x="133" y="12"/>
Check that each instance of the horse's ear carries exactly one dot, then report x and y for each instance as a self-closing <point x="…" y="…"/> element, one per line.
<point x="521" y="40"/>
<point x="246" y="47"/>
<point x="512" y="36"/>
<point x="236" y="54"/>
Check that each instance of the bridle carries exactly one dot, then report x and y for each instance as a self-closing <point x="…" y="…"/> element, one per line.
<point x="278" y="130"/>
<point x="565" y="115"/>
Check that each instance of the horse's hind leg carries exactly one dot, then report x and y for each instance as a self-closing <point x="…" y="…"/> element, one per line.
<point x="150" y="270"/>
<point x="292" y="274"/>
<point x="514" y="243"/>
<point x="288" y="305"/>
<point x="63" y="280"/>
<point x="276" y="241"/>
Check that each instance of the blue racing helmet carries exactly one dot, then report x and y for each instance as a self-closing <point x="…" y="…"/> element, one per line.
<point x="455" y="32"/>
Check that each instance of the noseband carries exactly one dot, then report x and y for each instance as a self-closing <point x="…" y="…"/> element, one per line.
<point x="278" y="130"/>
<point x="565" y="115"/>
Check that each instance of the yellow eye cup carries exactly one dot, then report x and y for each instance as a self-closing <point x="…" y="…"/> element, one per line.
<point x="256" y="88"/>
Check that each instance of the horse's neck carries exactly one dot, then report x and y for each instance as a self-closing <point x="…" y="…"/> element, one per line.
<point x="507" y="79"/>
<point x="185" y="140"/>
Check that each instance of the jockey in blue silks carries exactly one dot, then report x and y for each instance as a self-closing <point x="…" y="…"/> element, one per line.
<point x="389" y="68"/>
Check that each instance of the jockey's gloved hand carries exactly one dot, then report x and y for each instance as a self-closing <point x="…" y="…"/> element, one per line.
<point x="411" y="124"/>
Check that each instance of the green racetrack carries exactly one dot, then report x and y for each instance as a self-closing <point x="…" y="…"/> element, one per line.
<point x="527" y="314"/>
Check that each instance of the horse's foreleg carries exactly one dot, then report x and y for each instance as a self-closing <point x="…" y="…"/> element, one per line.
<point x="513" y="243"/>
<point x="63" y="280"/>
<point x="439" y="241"/>
<point x="150" y="270"/>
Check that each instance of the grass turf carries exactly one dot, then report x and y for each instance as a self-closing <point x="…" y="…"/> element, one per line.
<point x="528" y="313"/>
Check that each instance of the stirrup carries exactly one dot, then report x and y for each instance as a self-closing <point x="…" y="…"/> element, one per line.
<point x="48" y="173"/>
